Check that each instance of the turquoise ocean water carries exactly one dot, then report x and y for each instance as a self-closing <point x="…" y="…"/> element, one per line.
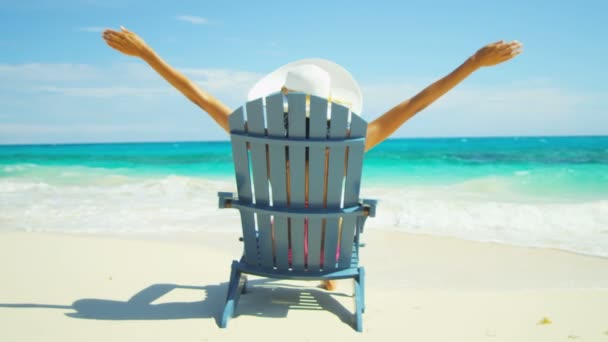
<point x="535" y="191"/>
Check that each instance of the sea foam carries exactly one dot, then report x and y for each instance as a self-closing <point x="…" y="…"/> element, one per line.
<point x="166" y="204"/>
<point x="480" y="210"/>
<point x="580" y="227"/>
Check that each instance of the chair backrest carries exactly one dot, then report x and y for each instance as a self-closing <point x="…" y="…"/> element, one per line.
<point x="300" y="176"/>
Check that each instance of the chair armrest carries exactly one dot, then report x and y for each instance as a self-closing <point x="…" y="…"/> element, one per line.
<point x="225" y="199"/>
<point x="369" y="210"/>
<point x="369" y="206"/>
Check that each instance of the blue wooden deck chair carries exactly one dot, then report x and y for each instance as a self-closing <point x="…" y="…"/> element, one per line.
<point x="298" y="179"/>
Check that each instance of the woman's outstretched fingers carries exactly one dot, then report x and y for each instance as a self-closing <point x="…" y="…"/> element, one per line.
<point x="497" y="52"/>
<point x="125" y="41"/>
<point x="515" y="48"/>
<point x="113" y="36"/>
<point x="109" y="35"/>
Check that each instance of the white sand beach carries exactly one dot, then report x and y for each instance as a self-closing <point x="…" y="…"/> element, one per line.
<point x="59" y="287"/>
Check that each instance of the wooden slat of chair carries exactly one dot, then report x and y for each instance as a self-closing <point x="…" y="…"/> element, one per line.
<point x="278" y="178"/>
<point x="335" y="177"/>
<point x="243" y="180"/>
<point x="297" y="164"/>
<point x="352" y="185"/>
<point x="316" y="179"/>
<point x="255" y="119"/>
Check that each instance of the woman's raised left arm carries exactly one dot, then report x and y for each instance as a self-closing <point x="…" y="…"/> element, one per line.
<point x="489" y="55"/>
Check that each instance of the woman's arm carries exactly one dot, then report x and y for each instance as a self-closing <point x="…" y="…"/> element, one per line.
<point x="389" y="122"/>
<point x="131" y="44"/>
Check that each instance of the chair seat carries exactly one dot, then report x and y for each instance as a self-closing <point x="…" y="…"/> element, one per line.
<point x="297" y="275"/>
<point x="292" y="274"/>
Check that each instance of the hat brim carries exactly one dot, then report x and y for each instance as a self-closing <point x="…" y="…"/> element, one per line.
<point x="343" y="86"/>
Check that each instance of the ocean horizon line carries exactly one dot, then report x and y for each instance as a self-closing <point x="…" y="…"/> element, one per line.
<point x="480" y="137"/>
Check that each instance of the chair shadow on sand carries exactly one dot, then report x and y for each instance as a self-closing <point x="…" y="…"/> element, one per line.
<point x="264" y="297"/>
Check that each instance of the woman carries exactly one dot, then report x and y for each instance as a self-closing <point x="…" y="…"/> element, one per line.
<point x="378" y="130"/>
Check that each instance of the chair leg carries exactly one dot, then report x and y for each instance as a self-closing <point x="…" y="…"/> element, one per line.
<point x="244" y="282"/>
<point x="358" y="306"/>
<point x="231" y="297"/>
<point x="362" y="282"/>
<point x="241" y="280"/>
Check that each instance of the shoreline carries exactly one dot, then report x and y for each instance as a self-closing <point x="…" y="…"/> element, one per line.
<point x="196" y="237"/>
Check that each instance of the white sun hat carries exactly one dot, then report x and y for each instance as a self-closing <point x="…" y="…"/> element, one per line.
<point x="313" y="76"/>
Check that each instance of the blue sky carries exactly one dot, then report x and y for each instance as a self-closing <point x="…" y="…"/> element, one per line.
<point x="59" y="82"/>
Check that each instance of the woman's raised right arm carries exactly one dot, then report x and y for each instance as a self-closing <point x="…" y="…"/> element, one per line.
<point x="131" y="44"/>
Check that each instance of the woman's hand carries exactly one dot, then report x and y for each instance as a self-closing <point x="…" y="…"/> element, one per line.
<point x="126" y="42"/>
<point x="496" y="53"/>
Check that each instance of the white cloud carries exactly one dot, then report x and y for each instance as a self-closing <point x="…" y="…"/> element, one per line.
<point x="121" y="102"/>
<point x="128" y="79"/>
<point x="94" y="29"/>
<point x="534" y="107"/>
<point x="18" y="133"/>
<point x="509" y="99"/>
<point x="133" y="79"/>
<point x="33" y="129"/>
<point x="379" y="97"/>
<point x="37" y="92"/>
<point x="512" y="100"/>
<point x="106" y="92"/>
<point x="192" y="19"/>
<point x="223" y="80"/>
<point x="41" y="72"/>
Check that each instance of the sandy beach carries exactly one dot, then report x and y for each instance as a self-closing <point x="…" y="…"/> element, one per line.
<point x="60" y="287"/>
<point x="122" y="121"/>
